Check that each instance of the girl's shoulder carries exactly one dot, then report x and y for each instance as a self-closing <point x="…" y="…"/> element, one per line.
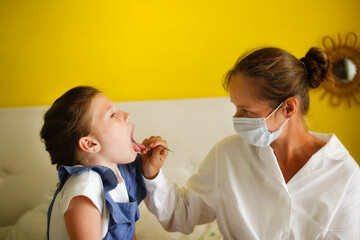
<point x="88" y="184"/>
<point x="84" y="179"/>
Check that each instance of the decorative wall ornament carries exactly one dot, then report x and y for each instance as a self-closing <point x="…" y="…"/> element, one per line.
<point x="344" y="60"/>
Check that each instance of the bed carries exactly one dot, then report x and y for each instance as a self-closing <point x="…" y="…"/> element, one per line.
<point x="28" y="180"/>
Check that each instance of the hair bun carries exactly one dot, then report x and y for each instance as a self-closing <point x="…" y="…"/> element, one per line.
<point x="316" y="62"/>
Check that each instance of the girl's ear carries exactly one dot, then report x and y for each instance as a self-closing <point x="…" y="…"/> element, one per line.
<point x="291" y="106"/>
<point x="89" y="144"/>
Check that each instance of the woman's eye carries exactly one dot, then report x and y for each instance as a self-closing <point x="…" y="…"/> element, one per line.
<point x="112" y="115"/>
<point x="246" y="112"/>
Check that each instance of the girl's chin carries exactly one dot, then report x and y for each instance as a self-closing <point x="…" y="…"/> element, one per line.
<point x="130" y="159"/>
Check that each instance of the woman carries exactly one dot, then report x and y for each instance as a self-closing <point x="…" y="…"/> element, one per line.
<point x="274" y="179"/>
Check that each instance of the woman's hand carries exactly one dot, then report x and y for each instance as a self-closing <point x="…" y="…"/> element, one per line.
<point x="153" y="156"/>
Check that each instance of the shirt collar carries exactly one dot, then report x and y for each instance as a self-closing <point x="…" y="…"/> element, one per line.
<point x="333" y="150"/>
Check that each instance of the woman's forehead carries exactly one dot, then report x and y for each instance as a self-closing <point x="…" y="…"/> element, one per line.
<point x="242" y="89"/>
<point x="244" y="92"/>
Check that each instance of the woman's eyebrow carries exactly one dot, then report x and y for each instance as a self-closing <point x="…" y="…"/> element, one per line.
<point x="239" y="106"/>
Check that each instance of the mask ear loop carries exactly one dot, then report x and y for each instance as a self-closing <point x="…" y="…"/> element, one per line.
<point x="282" y="125"/>
<point x="274" y="111"/>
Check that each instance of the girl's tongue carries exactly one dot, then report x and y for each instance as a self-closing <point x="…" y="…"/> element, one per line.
<point x="137" y="146"/>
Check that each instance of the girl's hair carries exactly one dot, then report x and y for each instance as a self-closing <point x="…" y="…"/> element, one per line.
<point x="279" y="75"/>
<point x="65" y="123"/>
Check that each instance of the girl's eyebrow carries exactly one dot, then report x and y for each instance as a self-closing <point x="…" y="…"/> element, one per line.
<point x="107" y="110"/>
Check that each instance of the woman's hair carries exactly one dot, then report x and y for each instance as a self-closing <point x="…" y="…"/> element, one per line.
<point x="65" y="123"/>
<point x="279" y="75"/>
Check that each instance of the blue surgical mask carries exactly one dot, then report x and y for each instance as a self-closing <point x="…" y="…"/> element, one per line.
<point x="255" y="131"/>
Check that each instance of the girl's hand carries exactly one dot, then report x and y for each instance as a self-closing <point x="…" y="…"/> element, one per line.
<point x="153" y="156"/>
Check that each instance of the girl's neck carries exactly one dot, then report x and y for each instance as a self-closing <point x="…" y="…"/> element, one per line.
<point x="114" y="168"/>
<point x="96" y="160"/>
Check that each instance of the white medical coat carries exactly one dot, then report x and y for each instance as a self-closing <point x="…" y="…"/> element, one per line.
<point x="243" y="187"/>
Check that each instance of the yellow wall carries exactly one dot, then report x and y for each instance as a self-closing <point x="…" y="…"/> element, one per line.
<point x="153" y="49"/>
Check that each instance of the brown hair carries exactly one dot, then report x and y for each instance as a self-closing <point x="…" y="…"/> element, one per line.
<point x="280" y="75"/>
<point x="65" y="123"/>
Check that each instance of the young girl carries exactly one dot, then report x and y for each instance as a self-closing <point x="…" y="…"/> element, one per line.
<point x="91" y="142"/>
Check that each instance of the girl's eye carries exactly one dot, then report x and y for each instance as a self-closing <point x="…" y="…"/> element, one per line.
<point x="112" y="115"/>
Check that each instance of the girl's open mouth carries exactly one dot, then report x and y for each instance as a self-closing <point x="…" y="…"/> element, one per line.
<point x="137" y="146"/>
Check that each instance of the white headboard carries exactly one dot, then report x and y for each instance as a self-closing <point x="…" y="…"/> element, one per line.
<point x="190" y="126"/>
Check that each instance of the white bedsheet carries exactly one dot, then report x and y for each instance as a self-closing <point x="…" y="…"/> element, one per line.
<point x="32" y="225"/>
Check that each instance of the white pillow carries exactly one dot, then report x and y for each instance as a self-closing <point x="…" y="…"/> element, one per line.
<point x="31" y="225"/>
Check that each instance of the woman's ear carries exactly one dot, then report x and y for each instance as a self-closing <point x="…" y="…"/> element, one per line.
<point x="89" y="144"/>
<point x="291" y="106"/>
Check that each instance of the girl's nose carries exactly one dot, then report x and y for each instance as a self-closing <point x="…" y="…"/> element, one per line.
<point x="127" y="116"/>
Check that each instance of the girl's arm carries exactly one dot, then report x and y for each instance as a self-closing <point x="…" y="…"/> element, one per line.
<point x="83" y="219"/>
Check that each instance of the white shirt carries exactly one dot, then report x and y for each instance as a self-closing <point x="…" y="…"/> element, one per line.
<point x="88" y="184"/>
<point x="243" y="187"/>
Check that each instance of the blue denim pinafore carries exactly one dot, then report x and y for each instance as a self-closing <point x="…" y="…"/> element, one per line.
<point x="122" y="215"/>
